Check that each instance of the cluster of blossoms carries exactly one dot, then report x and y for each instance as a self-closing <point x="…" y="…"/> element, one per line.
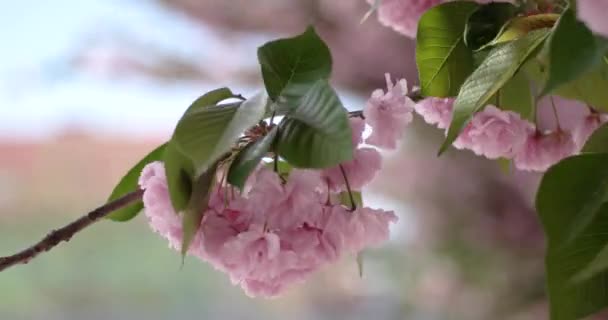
<point x="495" y="133"/>
<point x="278" y="232"/>
<point x="403" y="15"/>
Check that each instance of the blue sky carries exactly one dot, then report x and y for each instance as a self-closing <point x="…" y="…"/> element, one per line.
<point x="40" y="92"/>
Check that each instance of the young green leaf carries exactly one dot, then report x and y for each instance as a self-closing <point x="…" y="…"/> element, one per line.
<point x="204" y="135"/>
<point x="573" y="50"/>
<point x="128" y="183"/>
<point x="516" y="96"/>
<point x="589" y="88"/>
<point x="442" y="58"/>
<point x="249" y="158"/>
<point x="180" y="172"/>
<point x="316" y="133"/>
<point x="486" y="21"/>
<point x="572" y="208"/>
<point x="197" y="205"/>
<point x="344" y="198"/>
<point x="500" y="66"/>
<point x="519" y="27"/>
<point x="598" y="142"/>
<point x="211" y="98"/>
<point x="292" y="63"/>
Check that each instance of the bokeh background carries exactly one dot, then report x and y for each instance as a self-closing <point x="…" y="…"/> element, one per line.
<point x="87" y="87"/>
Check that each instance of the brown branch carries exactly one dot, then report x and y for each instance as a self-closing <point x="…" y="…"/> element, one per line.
<point x="67" y="232"/>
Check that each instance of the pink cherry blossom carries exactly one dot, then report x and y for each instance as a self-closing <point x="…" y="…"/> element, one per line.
<point x="593" y="14"/>
<point x="544" y="150"/>
<point x="494" y="133"/>
<point x="436" y="111"/>
<point x="403" y="15"/>
<point x="585" y="128"/>
<point x="387" y="113"/>
<point x="273" y="236"/>
<point x="369" y="228"/>
<point x="357" y="126"/>
<point x="359" y="171"/>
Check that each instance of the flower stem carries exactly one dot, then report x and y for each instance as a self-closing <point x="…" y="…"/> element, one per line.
<point x="353" y="204"/>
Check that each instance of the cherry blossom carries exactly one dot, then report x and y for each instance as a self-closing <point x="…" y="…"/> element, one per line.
<point x="387" y="113"/>
<point x="436" y="111"/>
<point x="543" y="150"/>
<point x="494" y="133"/>
<point x="273" y="236"/>
<point x="359" y="171"/>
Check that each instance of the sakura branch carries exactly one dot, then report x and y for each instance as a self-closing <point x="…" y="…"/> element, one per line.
<point x="67" y="232"/>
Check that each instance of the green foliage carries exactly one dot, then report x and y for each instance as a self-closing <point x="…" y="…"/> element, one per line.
<point x="128" y="183"/>
<point x="516" y="96"/>
<point x="519" y="27"/>
<point x="197" y="205"/>
<point x="316" y="133"/>
<point x="179" y="166"/>
<point x="598" y="142"/>
<point x="211" y="98"/>
<point x="573" y="50"/>
<point x="501" y="64"/>
<point x="571" y="202"/>
<point x="589" y="88"/>
<point x="290" y="65"/>
<point x="442" y="58"/>
<point x="249" y="158"/>
<point x="486" y="22"/>
<point x="205" y="134"/>
<point x="180" y="172"/>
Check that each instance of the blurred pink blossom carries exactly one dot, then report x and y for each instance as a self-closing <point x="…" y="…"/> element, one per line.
<point x="388" y="113"/>
<point x="593" y="14"/>
<point x="436" y="111"/>
<point x="543" y="150"/>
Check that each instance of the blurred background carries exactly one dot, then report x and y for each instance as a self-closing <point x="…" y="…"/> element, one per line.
<point x="88" y="87"/>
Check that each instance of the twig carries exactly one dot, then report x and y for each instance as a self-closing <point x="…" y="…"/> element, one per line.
<point x="67" y="232"/>
<point x="353" y="204"/>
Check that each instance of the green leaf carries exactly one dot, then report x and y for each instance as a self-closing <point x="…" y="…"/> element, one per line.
<point x="500" y="66"/>
<point x="519" y="27"/>
<point x="516" y="96"/>
<point x="572" y="208"/>
<point x="486" y="22"/>
<point x="292" y="63"/>
<point x="573" y="50"/>
<point x="205" y="134"/>
<point x="442" y="58"/>
<point x="198" y="204"/>
<point x="598" y="142"/>
<point x="316" y="133"/>
<point x="249" y="158"/>
<point x="283" y="168"/>
<point x="589" y="88"/>
<point x="211" y="98"/>
<point x="129" y="183"/>
<point x="180" y="173"/>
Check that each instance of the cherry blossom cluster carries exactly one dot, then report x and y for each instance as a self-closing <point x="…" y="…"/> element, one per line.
<point x="278" y="232"/>
<point x="495" y="133"/>
<point x="403" y="15"/>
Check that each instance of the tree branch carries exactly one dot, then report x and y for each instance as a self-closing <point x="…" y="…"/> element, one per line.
<point x="67" y="232"/>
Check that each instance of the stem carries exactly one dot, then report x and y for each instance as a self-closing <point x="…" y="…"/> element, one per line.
<point x="353" y="205"/>
<point x="67" y="232"/>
